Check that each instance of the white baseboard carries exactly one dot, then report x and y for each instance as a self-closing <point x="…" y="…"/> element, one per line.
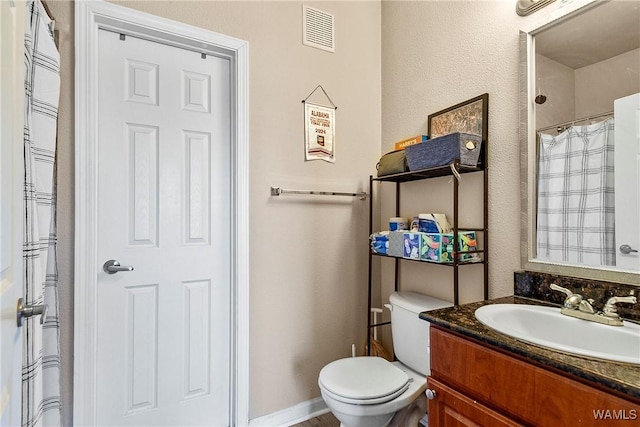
<point x="293" y="415"/>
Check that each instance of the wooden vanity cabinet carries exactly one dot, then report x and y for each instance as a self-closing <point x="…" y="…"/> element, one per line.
<point x="452" y="408"/>
<point x="477" y="385"/>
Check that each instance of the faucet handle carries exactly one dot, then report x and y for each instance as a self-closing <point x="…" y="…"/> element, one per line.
<point x="610" y="309"/>
<point x="566" y="291"/>
<point x="573" y="301"/>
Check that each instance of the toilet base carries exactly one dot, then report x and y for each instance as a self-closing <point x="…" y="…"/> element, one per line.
<point x="409" y="416"/>
<point x="347" y="420"/>
<point x="412" y="414"/>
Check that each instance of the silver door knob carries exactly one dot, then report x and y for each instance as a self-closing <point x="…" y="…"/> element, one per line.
<point x="431" y="394"/>
<point x="112" y="267"/>
<point x="626" y="249"/>
<point x="24" y="311"/>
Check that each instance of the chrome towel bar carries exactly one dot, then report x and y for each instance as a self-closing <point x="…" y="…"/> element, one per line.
<point x="276" y="191"/>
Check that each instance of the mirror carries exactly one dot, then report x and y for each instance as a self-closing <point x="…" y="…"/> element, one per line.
<point x="580" y="77"/>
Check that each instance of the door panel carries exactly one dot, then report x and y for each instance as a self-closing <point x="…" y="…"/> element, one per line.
<point x="627" y="175"/>
<point x="164" y="208"/>
<point x="11" y="171"/>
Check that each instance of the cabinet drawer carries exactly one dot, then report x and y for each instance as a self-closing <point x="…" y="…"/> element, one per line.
<point x="525" y="392"/>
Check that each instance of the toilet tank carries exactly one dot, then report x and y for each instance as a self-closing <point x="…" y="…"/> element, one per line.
<point x="410" y="333"/>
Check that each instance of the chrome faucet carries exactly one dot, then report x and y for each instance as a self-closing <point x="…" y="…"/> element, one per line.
<point x="574" y="301"/>
<point x="576" y="306"/>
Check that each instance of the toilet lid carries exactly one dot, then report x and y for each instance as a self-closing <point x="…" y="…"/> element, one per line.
<point x="363" y="380"/>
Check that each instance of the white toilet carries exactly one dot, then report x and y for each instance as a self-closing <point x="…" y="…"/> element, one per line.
<point x="373" y="392"/>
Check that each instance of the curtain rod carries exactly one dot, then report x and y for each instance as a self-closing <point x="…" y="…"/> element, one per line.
<point x="562" y="125"/>
<point x="276" y="191"/>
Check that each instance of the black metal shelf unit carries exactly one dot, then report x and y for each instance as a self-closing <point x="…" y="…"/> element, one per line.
<point x="424" y="174"/>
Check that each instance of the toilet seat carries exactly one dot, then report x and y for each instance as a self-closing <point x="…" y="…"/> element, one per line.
<point x="363" y="380"/>
<point x="374" y="401"/>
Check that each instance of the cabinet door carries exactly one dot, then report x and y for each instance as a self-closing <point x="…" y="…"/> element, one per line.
<point x="521" y="390"/>
<point x="450" y="408"/>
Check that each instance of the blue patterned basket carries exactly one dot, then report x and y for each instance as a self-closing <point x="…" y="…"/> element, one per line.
<point x="444" y="150"/>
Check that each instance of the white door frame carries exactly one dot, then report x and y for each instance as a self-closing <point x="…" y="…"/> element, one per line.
<point x="89" y="18"/>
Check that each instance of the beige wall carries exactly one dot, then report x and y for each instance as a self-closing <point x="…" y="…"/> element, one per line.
<point x="308" y="260"/>
<point x="598" y="85"/>
<point x="308" y="255"/>
<point x="62" y="13"/>
<point x="591" y="90"/>
<point x="557" y="83"/>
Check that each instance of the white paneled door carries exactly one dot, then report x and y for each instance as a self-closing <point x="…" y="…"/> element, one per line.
<point x="11" y="186"/>
<point x="163" y="352"/>
<point x="627" y="176"/>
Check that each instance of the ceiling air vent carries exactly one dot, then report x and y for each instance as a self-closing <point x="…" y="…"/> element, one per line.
<point x="317" y="29"/>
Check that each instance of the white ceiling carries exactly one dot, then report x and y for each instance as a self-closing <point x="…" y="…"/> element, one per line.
<point x="600" y="33"/>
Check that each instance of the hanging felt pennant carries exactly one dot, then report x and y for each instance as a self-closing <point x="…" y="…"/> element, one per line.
<point x="319" y="130"/>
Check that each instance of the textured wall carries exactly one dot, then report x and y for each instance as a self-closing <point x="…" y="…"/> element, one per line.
<point x="436" y="54"/>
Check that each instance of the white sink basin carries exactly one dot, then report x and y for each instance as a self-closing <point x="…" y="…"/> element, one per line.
<point x="545" y="326"/>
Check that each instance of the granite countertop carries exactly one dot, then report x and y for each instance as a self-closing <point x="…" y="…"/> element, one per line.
<point x="621" y="377"/>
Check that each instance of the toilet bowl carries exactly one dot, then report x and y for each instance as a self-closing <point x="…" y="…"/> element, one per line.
<point x="373" y="392"/>
<point x="402" y="405"/>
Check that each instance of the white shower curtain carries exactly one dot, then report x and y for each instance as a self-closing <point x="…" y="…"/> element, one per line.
<point x="576" y="197"/>
<point x="41" y="355"/>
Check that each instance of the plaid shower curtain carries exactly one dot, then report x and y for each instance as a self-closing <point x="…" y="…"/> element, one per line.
<point x="41" y="353"/>
<point x="576" y="196"/>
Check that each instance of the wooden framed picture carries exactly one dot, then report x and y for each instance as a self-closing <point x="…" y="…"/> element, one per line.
<point x="471" y="116"/>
